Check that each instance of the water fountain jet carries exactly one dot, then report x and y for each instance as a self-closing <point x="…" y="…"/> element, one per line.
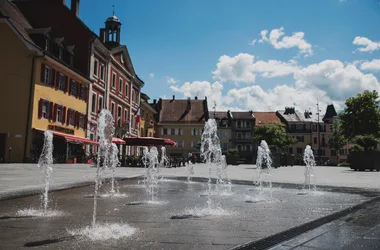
<point x="310" y="178"/>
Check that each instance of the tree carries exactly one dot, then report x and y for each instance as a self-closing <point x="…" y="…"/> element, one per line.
<point x="274" y="134"/>
<point x="337" y="140"/>
<point x="361" y="119"/>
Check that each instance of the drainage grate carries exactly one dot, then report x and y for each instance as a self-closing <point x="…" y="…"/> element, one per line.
<point x="278" y="238"/>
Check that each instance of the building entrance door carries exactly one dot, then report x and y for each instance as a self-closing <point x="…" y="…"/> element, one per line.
<point x="2" y="147"/>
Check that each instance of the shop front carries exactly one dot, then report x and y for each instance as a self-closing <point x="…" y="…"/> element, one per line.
<point x="68" y="148"/>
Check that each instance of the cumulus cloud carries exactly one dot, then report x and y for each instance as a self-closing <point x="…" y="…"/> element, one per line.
<point x="367" y="44"/>
<point x="243" y="68"/>
<point x="371" y="65"/>
<point x="151" y="75"/>
<point x="171" y="80"/>
<point x="278" y="40"/>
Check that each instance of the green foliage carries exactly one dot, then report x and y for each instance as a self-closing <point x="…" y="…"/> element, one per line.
<point x="274" y="134"/>
<point x="337" y="140"/>
<point x="366" y="142"/>
<point x="357" y="148"/>
<point x="361" y="115"/>
<point x="232" y="151"/>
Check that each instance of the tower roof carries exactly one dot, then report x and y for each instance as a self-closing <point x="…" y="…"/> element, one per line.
<point x="113" y="18"/>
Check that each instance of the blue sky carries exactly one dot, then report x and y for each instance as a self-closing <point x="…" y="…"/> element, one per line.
<point x="177" y="47"/>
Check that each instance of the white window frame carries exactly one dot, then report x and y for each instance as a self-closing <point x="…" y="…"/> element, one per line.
<point x="45" y="105"/>
<point x="113" y="106"/>
<point x="47" y="75"/>
<point x="72" y="118"/>
<point x="117" y="115"/>
<point x="94" y="104"/>
<point x="100" y="98"/>
<point x="102" y="67"/>
<point x="113" y="80"/>
<point x="121" y="85"/>
<point x="126" y="90"/>
<point x="59" y="114"/>
<point x="96" y="72"/>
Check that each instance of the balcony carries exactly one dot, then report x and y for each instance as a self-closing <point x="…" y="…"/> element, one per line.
<point x="299" y="131"/>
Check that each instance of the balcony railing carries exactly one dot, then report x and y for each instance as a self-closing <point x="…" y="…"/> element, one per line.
<point x="304" y="131"/>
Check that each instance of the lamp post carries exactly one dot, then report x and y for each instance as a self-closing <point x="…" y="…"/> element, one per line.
<point x="319" y="133"/>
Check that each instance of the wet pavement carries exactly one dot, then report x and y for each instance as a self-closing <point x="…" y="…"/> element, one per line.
<point x="239" y="222"/>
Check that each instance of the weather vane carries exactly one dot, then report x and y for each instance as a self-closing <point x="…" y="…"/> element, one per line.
<point x="113" y="10"/>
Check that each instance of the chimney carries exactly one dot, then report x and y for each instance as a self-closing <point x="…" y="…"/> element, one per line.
<point x="75" y="7"/>
<point x="154" y="101"/>
<point x="102" y="35"/>
<point x="173" y="98"/>
<point x="196" y="98"/>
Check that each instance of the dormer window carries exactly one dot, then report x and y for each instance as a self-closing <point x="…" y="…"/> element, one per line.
<point x="60" y="51"/>
<point x="47" y="44"/>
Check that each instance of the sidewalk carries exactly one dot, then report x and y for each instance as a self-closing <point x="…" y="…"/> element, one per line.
<point x="19" y="178"/>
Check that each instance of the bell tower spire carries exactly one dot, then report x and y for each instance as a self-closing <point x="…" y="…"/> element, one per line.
<point x="112" y="29"/>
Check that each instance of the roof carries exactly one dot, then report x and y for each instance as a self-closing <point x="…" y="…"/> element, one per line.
<point x="243" y="115"/>
<point x="8" y="9"/>
<point x="297" y="116"/>
<point x="263" y="118"/>
<point x="172" y="110"/>
<point x="330" y="112"/>
<point x="219" y="114"/>
<point x="113" y="19"/>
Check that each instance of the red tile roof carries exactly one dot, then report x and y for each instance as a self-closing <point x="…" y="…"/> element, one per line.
<point x="263" y="118"/>
<point x="172" y="110"/>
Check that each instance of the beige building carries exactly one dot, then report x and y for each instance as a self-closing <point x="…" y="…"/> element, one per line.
<point x="182" y="121"/>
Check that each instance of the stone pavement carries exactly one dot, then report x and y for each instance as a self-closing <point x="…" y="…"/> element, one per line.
<point x="358" y="230"/>
<point x="27" y="178"/>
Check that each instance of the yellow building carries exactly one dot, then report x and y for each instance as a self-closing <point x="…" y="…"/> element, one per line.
<point x="39" y="91"/>
<point x="147" y="121"/>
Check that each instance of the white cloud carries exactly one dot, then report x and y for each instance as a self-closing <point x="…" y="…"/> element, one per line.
<point x="371" y="65"/>
<point x="151" y="75"/>
<point x="242" y="68"/>
<point x="367" y="44"/>
<point x="253" y="42"/>
<point x="171" y="80"/>
<point x="279" y="41"/>
<point x="339" y="81"/>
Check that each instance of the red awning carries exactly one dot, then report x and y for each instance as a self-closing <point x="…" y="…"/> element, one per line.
<point x="144" y="141"/>
<point x="118" y="140"/>
<point x="170" y="142"/>
<point x="72" y="138"/>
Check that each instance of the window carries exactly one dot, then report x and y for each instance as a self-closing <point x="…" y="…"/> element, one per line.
<point x="81" y="121"/>
<point x="102" y="72"/>
<point x="120" y="85"/>
<point x="165" y="131"/>
<point x="47" y="80"/>
<point x="83" y="93"/>
<point x="119" y="116"/>
<point x="71" y="117"/>
<point x="172" y="131"/>
<point x="194" y="131"/>
<point x="45" y="109"/>
<point x="239" y="136"/>
<point x="113" y="80"/>
<point x="299" y="150"/>
<point x="239" y="147"/>
<point x="113" y="109"/>
<point x="96" y="66"/>
<point x="248" y="148"/>
<point x="73" y="88"/>
<point x="333" y="152"/>
<point x="126" y="90"/>
<point x="125" y="115"/>
<point x="201" y="131"/>
<point x="315" y="140"/>
<point x="60" y="114"/>
<point x="180" y="143"/>
<point x="194" y="144"/>
<point x="224" y="146"/>
<point x="323" y="142"/>
<point x="93" y="105"/>
<point x="239" y="124"/>
<point x="133" y="121"/>
<point x="61" y="82"/>
<point x="290" y="150"/>
<point x="100" y="103"/>
<point x="60" y="55"/>
<point x="133" y="95"/>
<point x="248" y="136"/>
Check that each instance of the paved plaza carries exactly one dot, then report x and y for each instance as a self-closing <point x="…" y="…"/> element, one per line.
<point x="341" y="215"/>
